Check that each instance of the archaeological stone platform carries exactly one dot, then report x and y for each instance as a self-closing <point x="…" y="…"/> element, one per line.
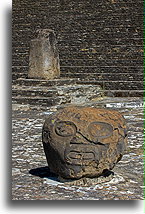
<point x="100" y="43"/>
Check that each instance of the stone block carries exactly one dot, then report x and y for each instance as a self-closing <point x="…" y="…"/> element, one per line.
<point x="44" y="57"/>
<point x="83" y="141"/>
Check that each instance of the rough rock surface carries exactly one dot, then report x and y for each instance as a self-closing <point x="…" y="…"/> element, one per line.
<point x="83" y="141"/>
<point x="44" y="58"/>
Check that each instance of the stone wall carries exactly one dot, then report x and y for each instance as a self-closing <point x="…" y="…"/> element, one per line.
<point x="94" y="36"/>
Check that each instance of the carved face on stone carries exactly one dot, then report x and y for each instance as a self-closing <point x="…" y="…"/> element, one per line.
<point x="81" y="141"/>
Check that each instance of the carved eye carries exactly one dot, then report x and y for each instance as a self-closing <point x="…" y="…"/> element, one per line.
<point x="100" y="130"/>
<point x="65" y="128"/>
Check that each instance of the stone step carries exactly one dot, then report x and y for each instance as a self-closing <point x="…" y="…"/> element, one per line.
<point x="90" y="44"/>
<point x="86" y="69"/>
<point x="18" y="75"/>
<point x="105" y="84"/>
<point x="36" y="101"/>
<point x="43" y="91"/>
<point x="124" y="85"/>
<point x="88" y="54"/>
<point x="67" y="37"/>
<point x="96" y="43"/>
<point x="93" y="26"/>
<point x="106" y="76"/>
<point x="80" y="28"/>
<point x="85" y="32"/>
<point x="91" y="60"/>
<point x="57" y="92"/>
<point x="94" y="75"/>
<point x="76" y="38"/>
<point x="93" y="56"/>
<point x="101" y="62"/>
<point x="124" y="93"/>
<point x="74" y="93"/>
<point x="81" y="99"/>
<point x="34" y="91"/>
<point x="115" y="85"/>
<point x="48" y="83"/>
<point x="81" y="10"/>
<point x="102" y="69"/>
<point x="92" y="52"/>
<point x="74" y="8"/>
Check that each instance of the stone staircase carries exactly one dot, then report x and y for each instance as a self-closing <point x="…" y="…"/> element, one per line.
<point x="100" y="45"/>
<point x="54" y="92"/>
<point x="74" y="88"/>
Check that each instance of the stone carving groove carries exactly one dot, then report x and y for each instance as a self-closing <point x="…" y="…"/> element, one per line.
<point x="83" y="141"/>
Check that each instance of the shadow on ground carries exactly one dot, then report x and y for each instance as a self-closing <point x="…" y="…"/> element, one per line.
<point x="42" y="172"/>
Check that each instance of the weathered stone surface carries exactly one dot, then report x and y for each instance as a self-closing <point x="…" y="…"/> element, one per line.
<point x="83" y="141"/>
<point x="44" y="58"/>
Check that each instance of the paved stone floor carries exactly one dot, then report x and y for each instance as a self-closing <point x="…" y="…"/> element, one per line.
<point x="31" y="179"/>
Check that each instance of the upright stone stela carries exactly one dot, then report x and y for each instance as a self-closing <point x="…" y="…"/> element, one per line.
<point x="44" y="57"/>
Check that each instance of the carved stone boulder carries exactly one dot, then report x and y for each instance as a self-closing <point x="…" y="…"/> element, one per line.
<point x="83" y="141"/>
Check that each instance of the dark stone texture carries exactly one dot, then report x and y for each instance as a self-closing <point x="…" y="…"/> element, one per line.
<point x="93" y="36"/>
<point x="83" y="141"/>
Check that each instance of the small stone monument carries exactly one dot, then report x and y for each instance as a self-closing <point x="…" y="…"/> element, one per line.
<point x="83" y="141"/>
<point x="44" y="58"/>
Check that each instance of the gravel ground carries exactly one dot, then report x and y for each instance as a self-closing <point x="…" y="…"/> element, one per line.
<point x="31" y="179"/>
